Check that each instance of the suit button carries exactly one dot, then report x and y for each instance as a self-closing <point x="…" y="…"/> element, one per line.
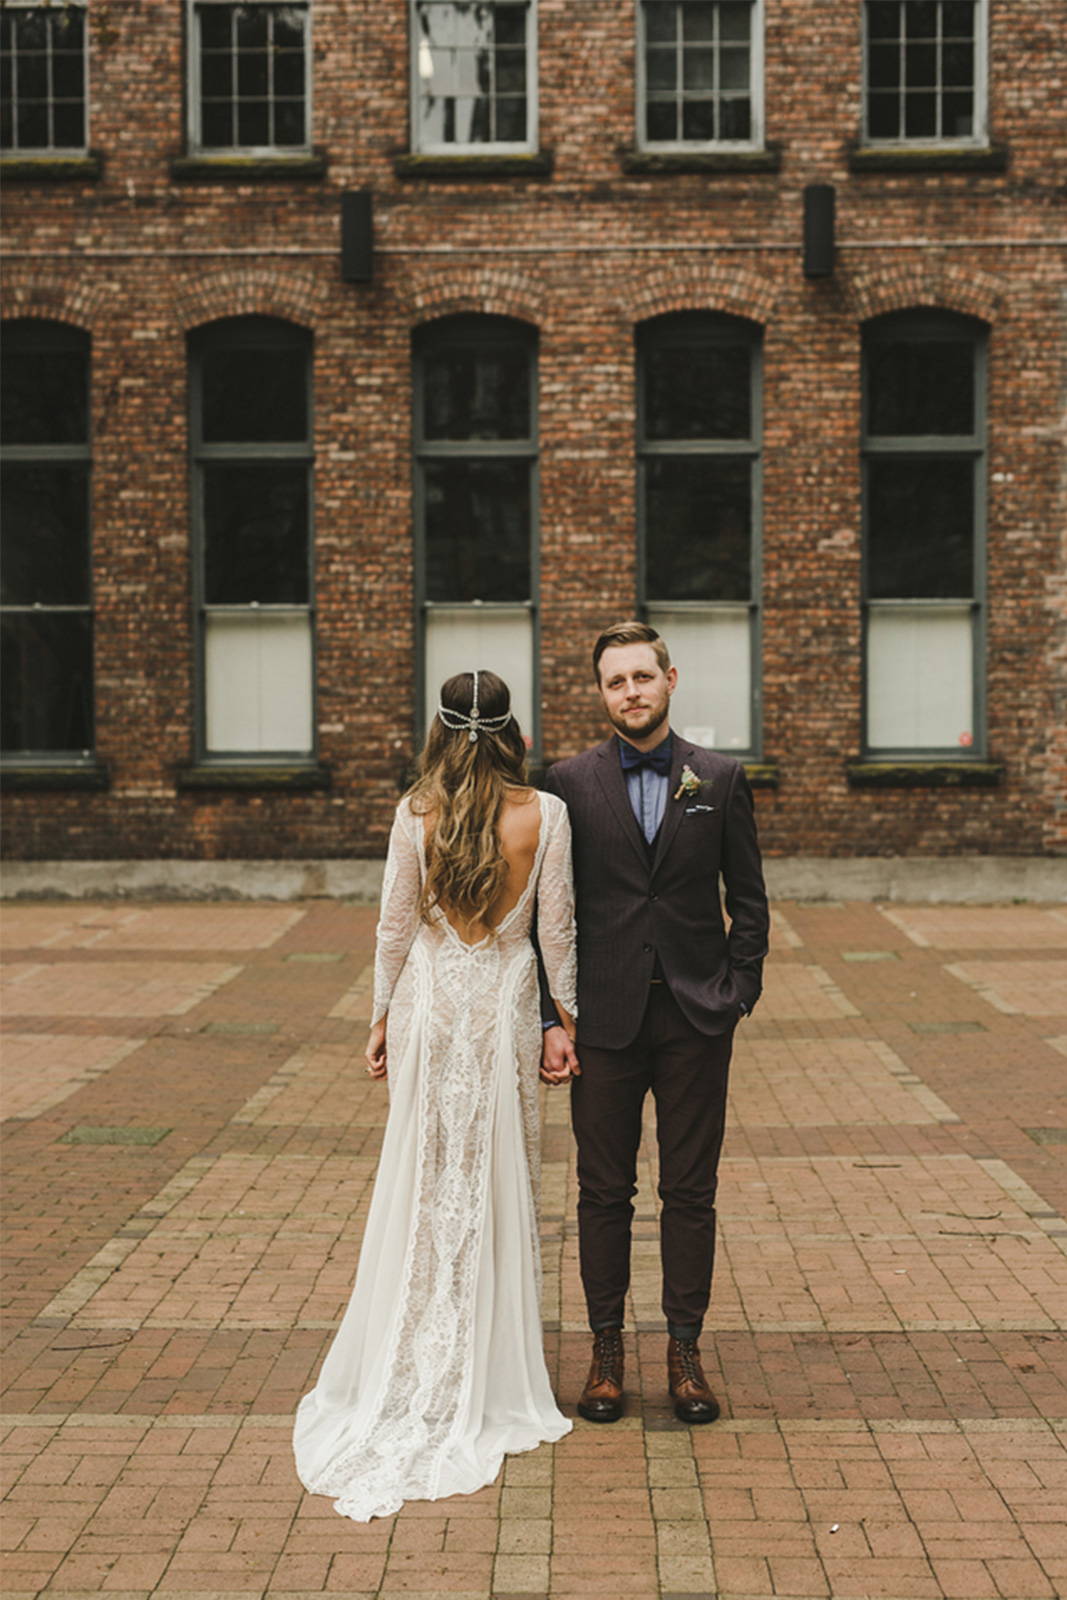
<point x="653" y="897"/>
<point x="647" y="948"/>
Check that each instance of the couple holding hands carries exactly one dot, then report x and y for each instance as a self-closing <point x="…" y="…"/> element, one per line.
<point x="576" y="934"/>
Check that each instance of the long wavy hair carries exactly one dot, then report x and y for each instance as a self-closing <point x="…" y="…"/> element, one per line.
<point x="461" y="786"/>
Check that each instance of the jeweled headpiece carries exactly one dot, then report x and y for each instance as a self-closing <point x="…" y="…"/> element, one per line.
<point x="473" y="722"/>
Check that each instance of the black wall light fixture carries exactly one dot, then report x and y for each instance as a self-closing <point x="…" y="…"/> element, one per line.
<point x="357" y="236"/>
<point x="819" y="230"/>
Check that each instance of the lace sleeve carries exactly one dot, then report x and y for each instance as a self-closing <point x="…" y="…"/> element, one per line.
<point x="398" y="919"/>
<point x="555" y="908"/>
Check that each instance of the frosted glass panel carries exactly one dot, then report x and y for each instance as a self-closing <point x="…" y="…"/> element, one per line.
<point x="920" y="691"/>
<point x="460" y="638"/>
<point x="712" y="650"/>
<point x="258" y="668"/>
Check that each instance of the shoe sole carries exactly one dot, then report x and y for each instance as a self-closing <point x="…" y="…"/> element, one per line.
<point x="599" y="1416"/>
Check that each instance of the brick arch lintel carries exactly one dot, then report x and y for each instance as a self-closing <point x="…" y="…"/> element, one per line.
<point x="932" y="284"/>
<point x="27" y="292"/>
<point x="295" y="296"/>
<point x="737" y="291"/>
<point x="486" y="290"/>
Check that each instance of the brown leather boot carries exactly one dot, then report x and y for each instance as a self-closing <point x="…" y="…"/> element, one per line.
<point x="601" y="1399"/>
<point x="693" y="1400"/>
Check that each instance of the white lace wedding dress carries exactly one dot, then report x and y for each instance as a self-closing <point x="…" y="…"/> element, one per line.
<point x="437" y="1370"/>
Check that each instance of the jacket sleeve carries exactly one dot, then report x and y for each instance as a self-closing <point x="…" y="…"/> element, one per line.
<point x="398" y="919"/>
<point x="549" y="1014"/>
<point x="555" y="915"/>
<point x="746" y="896"/>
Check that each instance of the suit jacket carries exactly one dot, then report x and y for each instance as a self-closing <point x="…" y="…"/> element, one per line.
<point x="633" y="906"/>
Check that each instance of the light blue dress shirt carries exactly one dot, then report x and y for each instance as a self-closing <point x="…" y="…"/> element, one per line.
<point x="648" y="797"/>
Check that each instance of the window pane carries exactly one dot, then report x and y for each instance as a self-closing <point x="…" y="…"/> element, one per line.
<point x="698" y="519"/>
<point x="735" y="22"/>
<point x="920" y="528"/>
<point x="289" y="122"/>
<point x="920" y="115"/>
<point x="215" y="27"/>
<point x="883" y="70"/>
<point x="957" y="69"/>
<point x="511" y="71"/>
<point x="713" y="653"/>
<point x="660" y="21"/>
<point x="920" y="66"/>
<point x="33" y="76"/>
<point x="511" y="120"/>
<point x="920" y="670"/>
<point x="661" y="68"/>
<point x="698" y="392"/>
<point x="458" y="637"/>
<point x="920" y="19"/>
<point x="921" y="386"/>
<point x="253" y="77"/>
<point x="734" y="69"/>
<point x="289" y="72"/>
<point x="253" y="123"/>
<point x="883" y="19"/>
<point x="957" y="20"/>
<point x="254" y="396"/>
<point x="477" y="519"/>
<point x="44" y="534"/>
<point x="476" y="394"/>
<point x="216" y="124"/>
<point x="289" y="27"/>
<point x="33" y="131"/>
<point x="698" y="120"/>
<point x="698" y="69"/>
<point x="258" y="683"/>
<point x="509" y="24"/>
<point x="661" y="120"/>
<point x="883" y="116"/>
<point x="68" y="126"/>
<point x="46" y="684"/>
<point x="216" y="75"/>
<point x="251" y="27"/>
<point x="44" y="397"/>
<point x="698" y="21"/>
<point x="68" y="75"/>
<point x="736" y="119"/>
<point x="255" y="534"/>
<point x="957" y="115"/>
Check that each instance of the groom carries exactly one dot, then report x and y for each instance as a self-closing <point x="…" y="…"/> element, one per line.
<point x="657" y="822"/>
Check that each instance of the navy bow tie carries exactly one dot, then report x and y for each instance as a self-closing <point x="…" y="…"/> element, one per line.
<point x="658" y="759"/>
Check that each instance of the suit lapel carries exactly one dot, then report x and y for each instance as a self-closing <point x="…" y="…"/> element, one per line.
<point x="611" y="780"/>
<point x="672" y="815"/>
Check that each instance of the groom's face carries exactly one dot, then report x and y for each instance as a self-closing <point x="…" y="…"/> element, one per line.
<point x="635" y="690"/>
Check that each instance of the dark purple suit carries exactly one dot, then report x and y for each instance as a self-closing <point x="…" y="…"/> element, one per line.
<point x="661" y="986"/>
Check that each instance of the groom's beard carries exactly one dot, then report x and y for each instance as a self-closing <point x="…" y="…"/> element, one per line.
<point x="640" y="727"/>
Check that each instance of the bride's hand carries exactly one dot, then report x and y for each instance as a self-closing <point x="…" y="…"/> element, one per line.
<point x="375" y="1051"/>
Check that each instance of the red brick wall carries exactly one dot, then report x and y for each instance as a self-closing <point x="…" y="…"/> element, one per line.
<point x="561" y="253"/>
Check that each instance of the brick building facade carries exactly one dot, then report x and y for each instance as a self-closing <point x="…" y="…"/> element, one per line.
<point x="591" y="371"/>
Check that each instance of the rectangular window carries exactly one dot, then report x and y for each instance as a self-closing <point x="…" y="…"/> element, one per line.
<point x="250" y="77"/>
<point x="924" y="71"/>
<point x="43" y="78"/>
<point x="700" y="73"/>
<point x="473" y="75"/>
<point x="476" y="459"/>
<point x="698" y="486"/>
<point x="251" y="429"/>
<point x="923" y="474"/>
<point x="45" y="581"/>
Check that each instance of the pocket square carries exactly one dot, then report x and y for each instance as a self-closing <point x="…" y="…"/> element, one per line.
<point x="689" y="810"/>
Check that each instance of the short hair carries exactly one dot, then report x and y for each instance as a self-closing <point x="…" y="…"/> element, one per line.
<point x="630" y="633"/>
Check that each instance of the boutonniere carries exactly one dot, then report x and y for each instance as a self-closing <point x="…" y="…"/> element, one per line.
<point x="689" y="786"/>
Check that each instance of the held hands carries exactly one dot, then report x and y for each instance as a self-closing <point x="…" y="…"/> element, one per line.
<point x="375" y="1051"/>
<point x="559" y="1058"/>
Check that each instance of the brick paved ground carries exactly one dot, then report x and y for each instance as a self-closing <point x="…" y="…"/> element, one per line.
<point x="190" y="1145"/>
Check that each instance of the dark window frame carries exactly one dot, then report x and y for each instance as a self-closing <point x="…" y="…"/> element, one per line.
<point x="919" y="324"/>
<point x="52" y="150"/>
<point x="486" y="329"/>
<point x="979" y="135"/>
<point x="194" y="98"/>
<point x="248" y="332"/>
<point x="50" y="334"/>
<point x="690" y="330"/>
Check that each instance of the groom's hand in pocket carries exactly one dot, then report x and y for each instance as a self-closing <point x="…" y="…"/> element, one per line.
<point x="559" y="1058"/>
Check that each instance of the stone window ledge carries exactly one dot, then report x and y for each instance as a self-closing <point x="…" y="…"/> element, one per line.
<point x="245" y="169"/>
<point x="761" y="774"/>
<point x="236" y="777"/>
<point x="928" y="158"/>
<point x="16" y="168"/>
<point x="460" y="168"/>
<point x="16" y="777"/>
<point x="665" y="163"/>
<point x="924" y="774"/>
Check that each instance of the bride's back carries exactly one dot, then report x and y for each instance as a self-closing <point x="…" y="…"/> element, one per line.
<point x="518" y="831"/>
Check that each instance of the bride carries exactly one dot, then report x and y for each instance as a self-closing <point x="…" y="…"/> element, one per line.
<point x="437" y="1370"/>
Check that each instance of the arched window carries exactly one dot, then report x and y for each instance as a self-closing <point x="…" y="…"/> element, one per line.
<point x="47" y="693"/>
<point x="698" y="468"/>
<point x="250" y="394"/>
<point x="475" y="505"/>
<point x="923" y="476"/>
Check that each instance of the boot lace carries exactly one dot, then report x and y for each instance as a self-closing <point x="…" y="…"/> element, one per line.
<point x="689" y="1356"/>
<point x="607" y="1353"/>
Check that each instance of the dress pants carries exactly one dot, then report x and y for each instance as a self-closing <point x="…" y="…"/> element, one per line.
<point x="687" y="1072"/>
